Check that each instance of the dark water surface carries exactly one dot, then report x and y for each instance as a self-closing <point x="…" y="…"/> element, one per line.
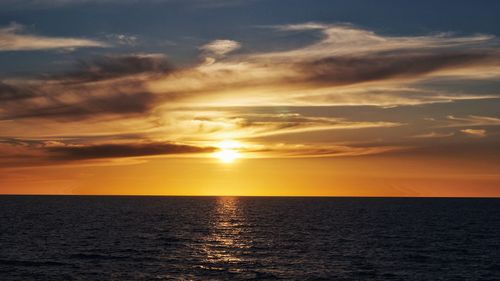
<point x="223" y="238"/>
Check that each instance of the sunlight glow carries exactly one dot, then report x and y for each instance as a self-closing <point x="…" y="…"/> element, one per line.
<point x="228" y="151"/>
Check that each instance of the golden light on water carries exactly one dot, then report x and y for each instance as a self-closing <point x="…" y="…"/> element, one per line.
<point x="227" y="236"/>
<point x="228" y="151"/>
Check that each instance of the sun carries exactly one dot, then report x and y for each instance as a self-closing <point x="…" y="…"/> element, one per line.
<point x="227" y="155"/>
<point x="228" y="151"/>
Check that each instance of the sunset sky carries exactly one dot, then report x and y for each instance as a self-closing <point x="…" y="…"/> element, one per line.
<point x="256" y="97"/>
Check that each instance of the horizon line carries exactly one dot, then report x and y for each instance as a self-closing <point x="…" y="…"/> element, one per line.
<point x="257" y="196"/>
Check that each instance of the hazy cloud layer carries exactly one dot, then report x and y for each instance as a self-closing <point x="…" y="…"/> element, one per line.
<point x="348" y="70"/>
<point x="234" y="125"/>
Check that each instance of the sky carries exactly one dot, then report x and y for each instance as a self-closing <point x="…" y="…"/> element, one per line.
<point x="256" y="97"/>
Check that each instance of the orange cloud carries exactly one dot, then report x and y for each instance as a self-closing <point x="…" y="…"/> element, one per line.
<point x="474" y="132"/>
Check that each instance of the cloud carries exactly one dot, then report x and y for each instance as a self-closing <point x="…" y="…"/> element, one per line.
<point x="12" y="40"/>
<point x="481" y="149"/>
<point x="321" y="150"/>
<point x="123" y="39"/>
<point x="216" y="125"/>
<point x="472" y="120"/>
<point x="301" y="26"/>
<point x="115" y="66"/>
<point x="109" y="86"/>
<point x="347" y="40"/>
<point x="82" y="152"/>
<point x="12" y="93"/>
<point x="39" y="152"/>
<point x="139" y="83"/>
<point x="433" y="135"/>
<point x="376" y="67"/>
<point x="385" y="96"/>
<point x="474" y="132"/>
<point x="74" y="102"/>
<point x="344" y="89"/>
<point x="117" y="103"/>
<point x="348" y="65"/>
<point x="220" y="47"/>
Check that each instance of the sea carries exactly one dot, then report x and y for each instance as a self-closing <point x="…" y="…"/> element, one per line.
<point x="248" y="238"/>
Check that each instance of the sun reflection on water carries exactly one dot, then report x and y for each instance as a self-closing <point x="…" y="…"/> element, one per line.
<point x="225" y="244"/>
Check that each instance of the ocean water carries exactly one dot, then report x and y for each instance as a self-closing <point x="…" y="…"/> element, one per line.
<point x="235" y="238"/>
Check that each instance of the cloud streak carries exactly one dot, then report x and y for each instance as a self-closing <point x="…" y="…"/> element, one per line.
<point x="472" y="120"/>
<point x="12" y="39"/>
<point x="346" y="40"/>
<point x="119" y="150"/>
<point x="324" y="150"/>
<point x="214" y="125"/>
<point x="480" y="133"/>
<point x="26" y="152"/>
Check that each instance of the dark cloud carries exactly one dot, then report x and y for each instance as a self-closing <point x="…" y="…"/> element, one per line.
<point x="10" y="92"/>
<point x="109" y="67"/>
<point x="358" y="69"/>
<point x="122" y="150"/>
<point x="17" y="152"/>
<point x="115" y="104"/>
<point x="21" y="142"/>
<point x="74" y="96"/>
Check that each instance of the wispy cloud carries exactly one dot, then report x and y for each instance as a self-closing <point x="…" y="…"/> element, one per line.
<point x="346" y="60"/>
<point x="474" y="132"/>
<point x="217" y="124"/>
<point x="322" y="150"/>
<point x="12" y="39"/>
<point x="123" y="39"/>
<point x="345" y="39"/>
<point x="220" y="47"/>
<point x="433" y="135"/>
<point x="472" y="120"/>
